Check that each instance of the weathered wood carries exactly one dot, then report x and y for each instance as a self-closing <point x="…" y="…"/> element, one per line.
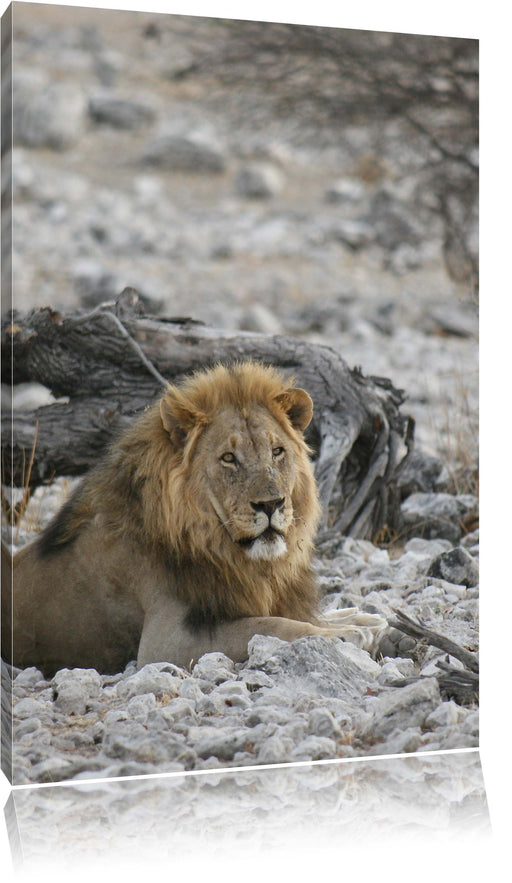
<point x="463" y="686"/>
<point x="111" y="362"/>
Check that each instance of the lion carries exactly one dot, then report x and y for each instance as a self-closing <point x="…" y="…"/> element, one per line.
<point x="193" y="533"/>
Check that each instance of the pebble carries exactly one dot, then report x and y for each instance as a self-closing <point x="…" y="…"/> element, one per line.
<point x="259" y="181"/>
<point x="346" y="190"/>
<point x="48" y="115"/>
<point x="179" y="148"/>
<point x="314" y="748"/>
<point x="159" y="678"/>
<point x="446" y="715"/>
<point x="456" y="566"/>
<point x="214" y="668"/>
<point x="403" y="707"/>
<point x="120" y="112"/>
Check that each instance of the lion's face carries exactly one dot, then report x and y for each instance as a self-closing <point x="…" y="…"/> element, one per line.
<point x="243" y="463"/>
<point x="248" y="464"/>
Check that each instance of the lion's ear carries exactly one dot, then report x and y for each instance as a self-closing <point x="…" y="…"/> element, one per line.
<point x="178" y="416"/>
<point x="298" y="406"/>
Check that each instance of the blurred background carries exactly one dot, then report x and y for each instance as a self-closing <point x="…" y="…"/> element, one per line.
<point x="278" y="178"/>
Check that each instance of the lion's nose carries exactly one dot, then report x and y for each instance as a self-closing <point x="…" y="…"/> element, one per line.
<point x="268" y="506"/>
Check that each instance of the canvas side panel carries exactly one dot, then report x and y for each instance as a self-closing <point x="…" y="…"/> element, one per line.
<point x="6" y="277"/>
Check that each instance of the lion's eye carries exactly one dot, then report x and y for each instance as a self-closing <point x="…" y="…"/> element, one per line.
<point x="228" y="457"/>
<point x="277" y="452"/>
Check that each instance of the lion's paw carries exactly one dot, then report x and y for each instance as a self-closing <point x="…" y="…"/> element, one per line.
<point x="359" y="628"/>
<point x="394" y="643"/>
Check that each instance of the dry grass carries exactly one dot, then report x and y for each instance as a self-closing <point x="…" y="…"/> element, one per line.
<point x="457" y="429"/>
<point x="13" y="512"/>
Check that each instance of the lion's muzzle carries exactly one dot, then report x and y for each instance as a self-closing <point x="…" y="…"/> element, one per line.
<point x="268" y="541"/>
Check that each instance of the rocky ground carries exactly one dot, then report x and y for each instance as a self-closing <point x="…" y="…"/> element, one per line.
<point x="160" y="153"/>
<point x="313" y="699"/>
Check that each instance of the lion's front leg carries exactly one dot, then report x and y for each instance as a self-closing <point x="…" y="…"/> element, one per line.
<point x="166" y="637"/>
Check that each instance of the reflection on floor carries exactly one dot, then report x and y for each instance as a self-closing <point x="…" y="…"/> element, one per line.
<point x="438" y="797"/>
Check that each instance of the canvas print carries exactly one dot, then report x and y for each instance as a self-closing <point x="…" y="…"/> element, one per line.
<point x="239" y="393"/>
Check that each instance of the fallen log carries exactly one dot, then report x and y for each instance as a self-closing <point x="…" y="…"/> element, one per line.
<point x="106" y="365"/>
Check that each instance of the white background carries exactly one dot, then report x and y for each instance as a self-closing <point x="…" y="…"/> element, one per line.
<point x="488" y="23"/>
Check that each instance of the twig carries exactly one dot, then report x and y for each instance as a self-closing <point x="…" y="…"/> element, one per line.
<point x="104" y="310"/>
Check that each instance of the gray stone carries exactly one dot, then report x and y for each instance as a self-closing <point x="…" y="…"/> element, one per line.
<point x="421" y="474"/>
<point x="28" y="726"/>
<point x="402" y="708"/>
<point x="314" y="748"/>
<point x="461" y="321"/>
<point x="399" y="742"/>
<point x="446" y="715"/>
<point x="471" y="539"/>
<point x="259" y="181"/>
<point x="215" y="668"/>
<point x="254" y="679"/>
<point x="53" y="769"/>
<point x="178" y="709"/>
<point x="427" y="548"/>
<point x="71" y="698"/>
<point x="119" y="112"/>
<point x="231" y="690"/>
<point x="73" y="689"/>
<point x="27" y="708"/>
<point x="186" y="149"/>
<point x="190" y="689"/>
<point x="322" y="723"/>
<point x="276" y="749"/>
<point x="456" y="566"/>
<point x="261" y="648"/>
<point x="390" y="673"/>
<point x="29" y="677"/>
<point x="132" y="740"/>
<point x="222" y="743"/>
<point x="321" y="666"/>
<point x="160" y="678"/>
<point x="139" y="707"/>
<point x="355" y="234"/>
<point x="361" y="658"/>
<point x="47" y="115"/>
<point x="346" y="190"/>
<point x="471" y="724"/>
<point x="267" y="715"/>
<point x="436" y="515"/>
<point x="467" y="610"/>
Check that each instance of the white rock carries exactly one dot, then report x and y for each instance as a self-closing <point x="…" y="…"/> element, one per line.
<point x="214" y="667"/>
<point x="446" y="715"/>
<point x="259" y="181"/>
<point x="150" y="679"/>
